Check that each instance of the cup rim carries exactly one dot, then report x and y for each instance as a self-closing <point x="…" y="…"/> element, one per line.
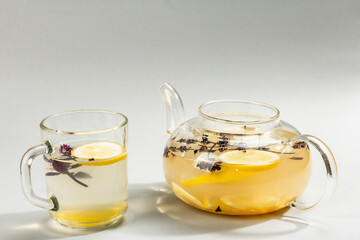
<point x="269" y="119"/>
<point x="44" y="127"/>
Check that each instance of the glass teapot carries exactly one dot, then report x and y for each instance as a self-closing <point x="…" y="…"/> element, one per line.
<point x="238" y="158"/>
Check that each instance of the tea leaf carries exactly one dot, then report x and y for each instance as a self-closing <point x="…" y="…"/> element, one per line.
<point x="76" y="180"/>
<point x="52" y="173"/>
<point x="166" y="152"/>
<point x="81" y="175"/>
<point x="75" y="166"/>
<point x="218" y="209"/>
<point x="60" y="167"/>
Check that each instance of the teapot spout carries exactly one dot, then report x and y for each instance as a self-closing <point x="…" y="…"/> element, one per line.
<point x="175" y="114"/>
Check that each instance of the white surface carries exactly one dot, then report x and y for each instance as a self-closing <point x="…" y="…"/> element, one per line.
<point x="301" y="56"/>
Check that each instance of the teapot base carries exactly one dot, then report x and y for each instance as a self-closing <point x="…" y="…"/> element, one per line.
<point x="244" y="206"/>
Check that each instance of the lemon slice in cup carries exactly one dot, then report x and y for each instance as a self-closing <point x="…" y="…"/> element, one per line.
<point x="99" y="153"/>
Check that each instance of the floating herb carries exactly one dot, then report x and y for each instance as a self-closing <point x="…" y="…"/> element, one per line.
<point x="205" y="139"/>
<point x="172" y="148"/>
<point x="208" y="166"/>
<point x="66" y="149"/>
<point x="299" y="145"/>
<point x="184" y="148"/>
<point x="221" y="145"/>
<point x="262" y="148"/>
<point x="191" y="141"/>
<point x="166" y="152"/>
<point x="216" y="166"/>
<point x="169" y="150"/>
<point x="203" y="148"/>
<point x="61" y="167"/>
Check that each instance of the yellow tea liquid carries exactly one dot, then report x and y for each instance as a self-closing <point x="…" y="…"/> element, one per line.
<point x="238" y="180"/>
<point x="89" y="194"/>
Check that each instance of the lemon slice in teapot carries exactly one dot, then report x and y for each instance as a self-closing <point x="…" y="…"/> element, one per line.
<point x="249" y="158"/>
<point x="236" y="165"/>
<point x="250" y="204"/>
<point x="188" y="198"/>
<point x="99" y="153"/>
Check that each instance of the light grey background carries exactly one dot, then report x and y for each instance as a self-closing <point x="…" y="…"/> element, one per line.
<point x="301" y="56"/>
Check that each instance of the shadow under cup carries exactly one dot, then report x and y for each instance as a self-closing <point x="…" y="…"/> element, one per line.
<point x="85" y="156"/>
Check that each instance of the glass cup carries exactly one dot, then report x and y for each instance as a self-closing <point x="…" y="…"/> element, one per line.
<point x="85" y="157"/>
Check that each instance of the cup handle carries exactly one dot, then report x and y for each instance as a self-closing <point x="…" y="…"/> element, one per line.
<point x="330" y="165"/>
<point x="25" y="173"/>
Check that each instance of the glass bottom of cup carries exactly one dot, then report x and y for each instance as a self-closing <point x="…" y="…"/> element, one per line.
<point x="91" y="225"/>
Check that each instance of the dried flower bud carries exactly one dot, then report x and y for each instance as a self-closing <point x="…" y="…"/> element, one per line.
<point x="65" y="149"/>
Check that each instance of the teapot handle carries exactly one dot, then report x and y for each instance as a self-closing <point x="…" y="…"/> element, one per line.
<point x="330" y="165"/>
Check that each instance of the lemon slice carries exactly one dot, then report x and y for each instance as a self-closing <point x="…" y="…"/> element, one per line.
<point x="249" y="157"/>
<point x="251" y="204"/>
<point x="100" y="153"/>
<point x="236" y="165"/>
<point x="221" y="176"/>
<point x="91" y="216"/>
<point x="188" y="198"/>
